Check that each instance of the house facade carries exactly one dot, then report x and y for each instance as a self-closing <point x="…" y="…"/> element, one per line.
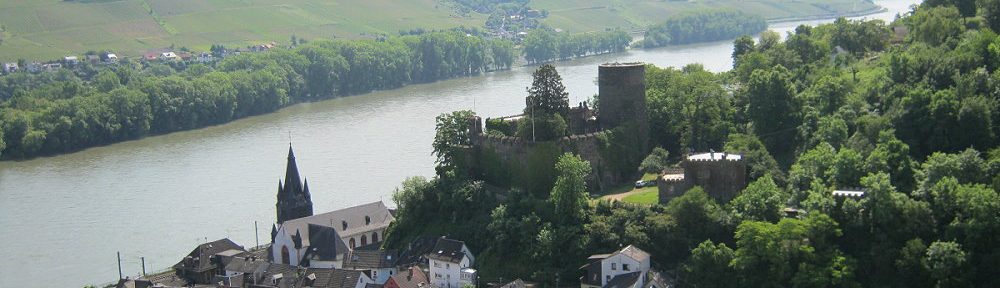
<point x="450" y="264"/>
<point x="627" y="267"/>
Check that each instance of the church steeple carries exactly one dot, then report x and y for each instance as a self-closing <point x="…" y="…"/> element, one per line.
<point x="294" y="200"/>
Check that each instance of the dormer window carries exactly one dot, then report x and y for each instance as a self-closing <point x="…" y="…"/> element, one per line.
<point x="344" y="223"/>
<point x="368" y="220"/>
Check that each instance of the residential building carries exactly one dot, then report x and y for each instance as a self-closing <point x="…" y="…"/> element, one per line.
<point x="627" y="267"/>
<point x="110" y="58"/>
<point x="412" y="277"/>
<point x="169" y="56"/>
<point x="450" y="264"/>
<point x="203" y="263"/>
<point x="378" y="265"/>
<point x="9" y="67"/>
<point x="71" y="60"/>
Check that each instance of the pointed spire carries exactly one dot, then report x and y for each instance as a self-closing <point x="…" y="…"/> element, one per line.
<point x="293" y="183"/>
<point x="274" y="232"/>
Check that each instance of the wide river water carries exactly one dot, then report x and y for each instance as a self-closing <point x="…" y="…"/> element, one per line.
<point x="63" y="218"/>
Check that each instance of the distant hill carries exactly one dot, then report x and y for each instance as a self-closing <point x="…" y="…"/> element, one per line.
<point x="48" y="29"/>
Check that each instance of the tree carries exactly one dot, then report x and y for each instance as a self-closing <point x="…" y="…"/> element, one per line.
<point x="892" y="156"/>
<point x="656" y="161"/>
<point x="547" y="95"/>
<point x="762" y="200"/>
<point x="946" y="263"/>
<point x="935" y="25"/>
<point x="741" y="46"/>
<point x="569" y="194"/>
<point x="452" y="134"/>
<point x="708" y="261"/>
<point x="759" y="161"/>
<point x="772" y="110"/>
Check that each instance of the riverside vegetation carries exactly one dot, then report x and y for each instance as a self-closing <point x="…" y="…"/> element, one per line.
<point x="910" y="118"/>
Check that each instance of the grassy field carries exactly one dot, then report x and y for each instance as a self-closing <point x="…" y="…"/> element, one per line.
<point x="647" y="195"/>
<point x="49" y="29"/>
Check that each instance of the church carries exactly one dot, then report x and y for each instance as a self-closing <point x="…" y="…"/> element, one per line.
<point x="300" y="238"/>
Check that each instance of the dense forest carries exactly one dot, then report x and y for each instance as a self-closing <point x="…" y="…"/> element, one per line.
<point x="702" y="26"/>
<point x="544" y="45"/>
<point x="905" y="111"/>
<point x="66" y="110"/>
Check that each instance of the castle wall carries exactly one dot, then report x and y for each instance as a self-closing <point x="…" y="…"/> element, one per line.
<point x="515" y="152"/>
<point x="721" y="179"/>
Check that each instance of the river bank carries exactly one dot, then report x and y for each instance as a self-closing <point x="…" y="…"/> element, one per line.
<point x="160" y="196"/>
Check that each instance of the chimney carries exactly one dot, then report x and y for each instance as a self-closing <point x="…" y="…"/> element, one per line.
<point x="409" y="277"/>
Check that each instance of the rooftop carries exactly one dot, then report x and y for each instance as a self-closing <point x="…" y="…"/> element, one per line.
<point x="347" y="221"/>
<point x="714" y="156"/>
<point x="447" y="250"/>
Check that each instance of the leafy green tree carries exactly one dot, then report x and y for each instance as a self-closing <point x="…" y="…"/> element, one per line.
<point x="707" y="262"/>
<point x="569" y="194"/>
<point x="741" y="46"/>
<point x="910" y="264"/>
<point x="892" y="156"/>
<point x="772" y="110"/>
<point x="946" y="262"/>
<point x="966" y="7"/>
<point x="759" y="161"/>
<point x="762" y="200"/>
<point x="656" y="161"/>
<point x="935" y="25"/>
<point x="452" y="134"/>
<point x="542" y="127"/>
<point x="966" y="167"/>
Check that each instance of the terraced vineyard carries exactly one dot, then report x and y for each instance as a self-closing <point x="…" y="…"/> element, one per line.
<point x="47" y="29"/>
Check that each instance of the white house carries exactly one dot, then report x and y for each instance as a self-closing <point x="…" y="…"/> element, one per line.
<point x="378" y="265"/>
<point x="320" y="240"/>
<point x="450" y="264"/>
<point x="169" y="56"/>
<point x="71" y="60"/>
<point x="627" y="267"/>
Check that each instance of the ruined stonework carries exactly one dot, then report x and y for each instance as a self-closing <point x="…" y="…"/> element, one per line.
<point x="622" y="102"/>
<point x="294" y="200"/>
<point x="721" y="175"/>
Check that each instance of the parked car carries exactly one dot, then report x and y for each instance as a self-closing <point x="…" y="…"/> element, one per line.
<point x="640" y="183"/>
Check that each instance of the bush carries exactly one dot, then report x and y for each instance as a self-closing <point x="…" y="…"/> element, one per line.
<point x="547" y="127"/>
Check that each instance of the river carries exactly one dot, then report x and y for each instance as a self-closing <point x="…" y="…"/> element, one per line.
<point x="63" y="218"/>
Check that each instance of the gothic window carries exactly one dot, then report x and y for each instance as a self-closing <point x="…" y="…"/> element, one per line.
<point x="344" y="223"/>
<point x="368" y="220"/>
<point x="285" y="258"/>
<point x="375" y="237"/>
<point x="352" y="243"/>
<point x="364" y="240"/>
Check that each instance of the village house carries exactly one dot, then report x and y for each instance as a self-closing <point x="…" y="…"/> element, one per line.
<point x="205" y="57"/>
<point x="10" y="67"/>
<point x="378" y="265"/>
<point x="110" y="58"/>
<point x="202" y="264"/>
<point x="412" y="277"/>
<point x="71" y="60"/>
<point x="450" y="264"/>
<point x="169" y="56"/>
<point x="627" y="267"/>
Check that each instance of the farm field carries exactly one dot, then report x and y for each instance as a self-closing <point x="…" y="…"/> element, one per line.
<point x="49" y="29"/>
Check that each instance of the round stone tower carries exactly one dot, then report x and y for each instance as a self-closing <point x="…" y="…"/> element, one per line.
<point x="622" y="94"/>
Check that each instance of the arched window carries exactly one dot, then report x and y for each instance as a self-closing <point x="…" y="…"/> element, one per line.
<point x="352" y="243"/>
<point x="364" y="240"/>
<point x="285" y="258"/>
<point x="368" y="220"/>
<point x="344" y="223"/>
<point x="375" y="237"/>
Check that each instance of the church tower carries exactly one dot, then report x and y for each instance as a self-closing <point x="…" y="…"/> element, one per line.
<point x="294" y="200"/>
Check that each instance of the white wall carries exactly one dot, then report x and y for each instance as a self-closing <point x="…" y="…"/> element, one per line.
<point x="447" y="274"/>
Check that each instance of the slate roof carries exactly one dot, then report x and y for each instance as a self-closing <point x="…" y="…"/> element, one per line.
<point x="362" y="218"/>
<point x="447" y="250"/>
<point x="370" y="259"/>
<point x="200" y="259"/>
<point x="245" y="265"/>
<point x="330" y="278"/>
<point x="413" y="277"/>
<point x="325" y="244"/>
<point x="624" y="280"/>
<point x="416" y="250"/>
<point x="634" y="253"/>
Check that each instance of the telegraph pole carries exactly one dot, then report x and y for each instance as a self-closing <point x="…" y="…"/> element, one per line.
<point x="256" y="235"/>
<point x="119" y="264"/>
<point x="143" y="266"/>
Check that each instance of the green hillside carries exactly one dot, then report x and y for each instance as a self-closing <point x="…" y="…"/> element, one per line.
<point x="47" y="29"/>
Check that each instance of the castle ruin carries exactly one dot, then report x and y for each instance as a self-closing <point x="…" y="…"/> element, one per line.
<point x="613" y="138"/>
<point x="722" y="175"/>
